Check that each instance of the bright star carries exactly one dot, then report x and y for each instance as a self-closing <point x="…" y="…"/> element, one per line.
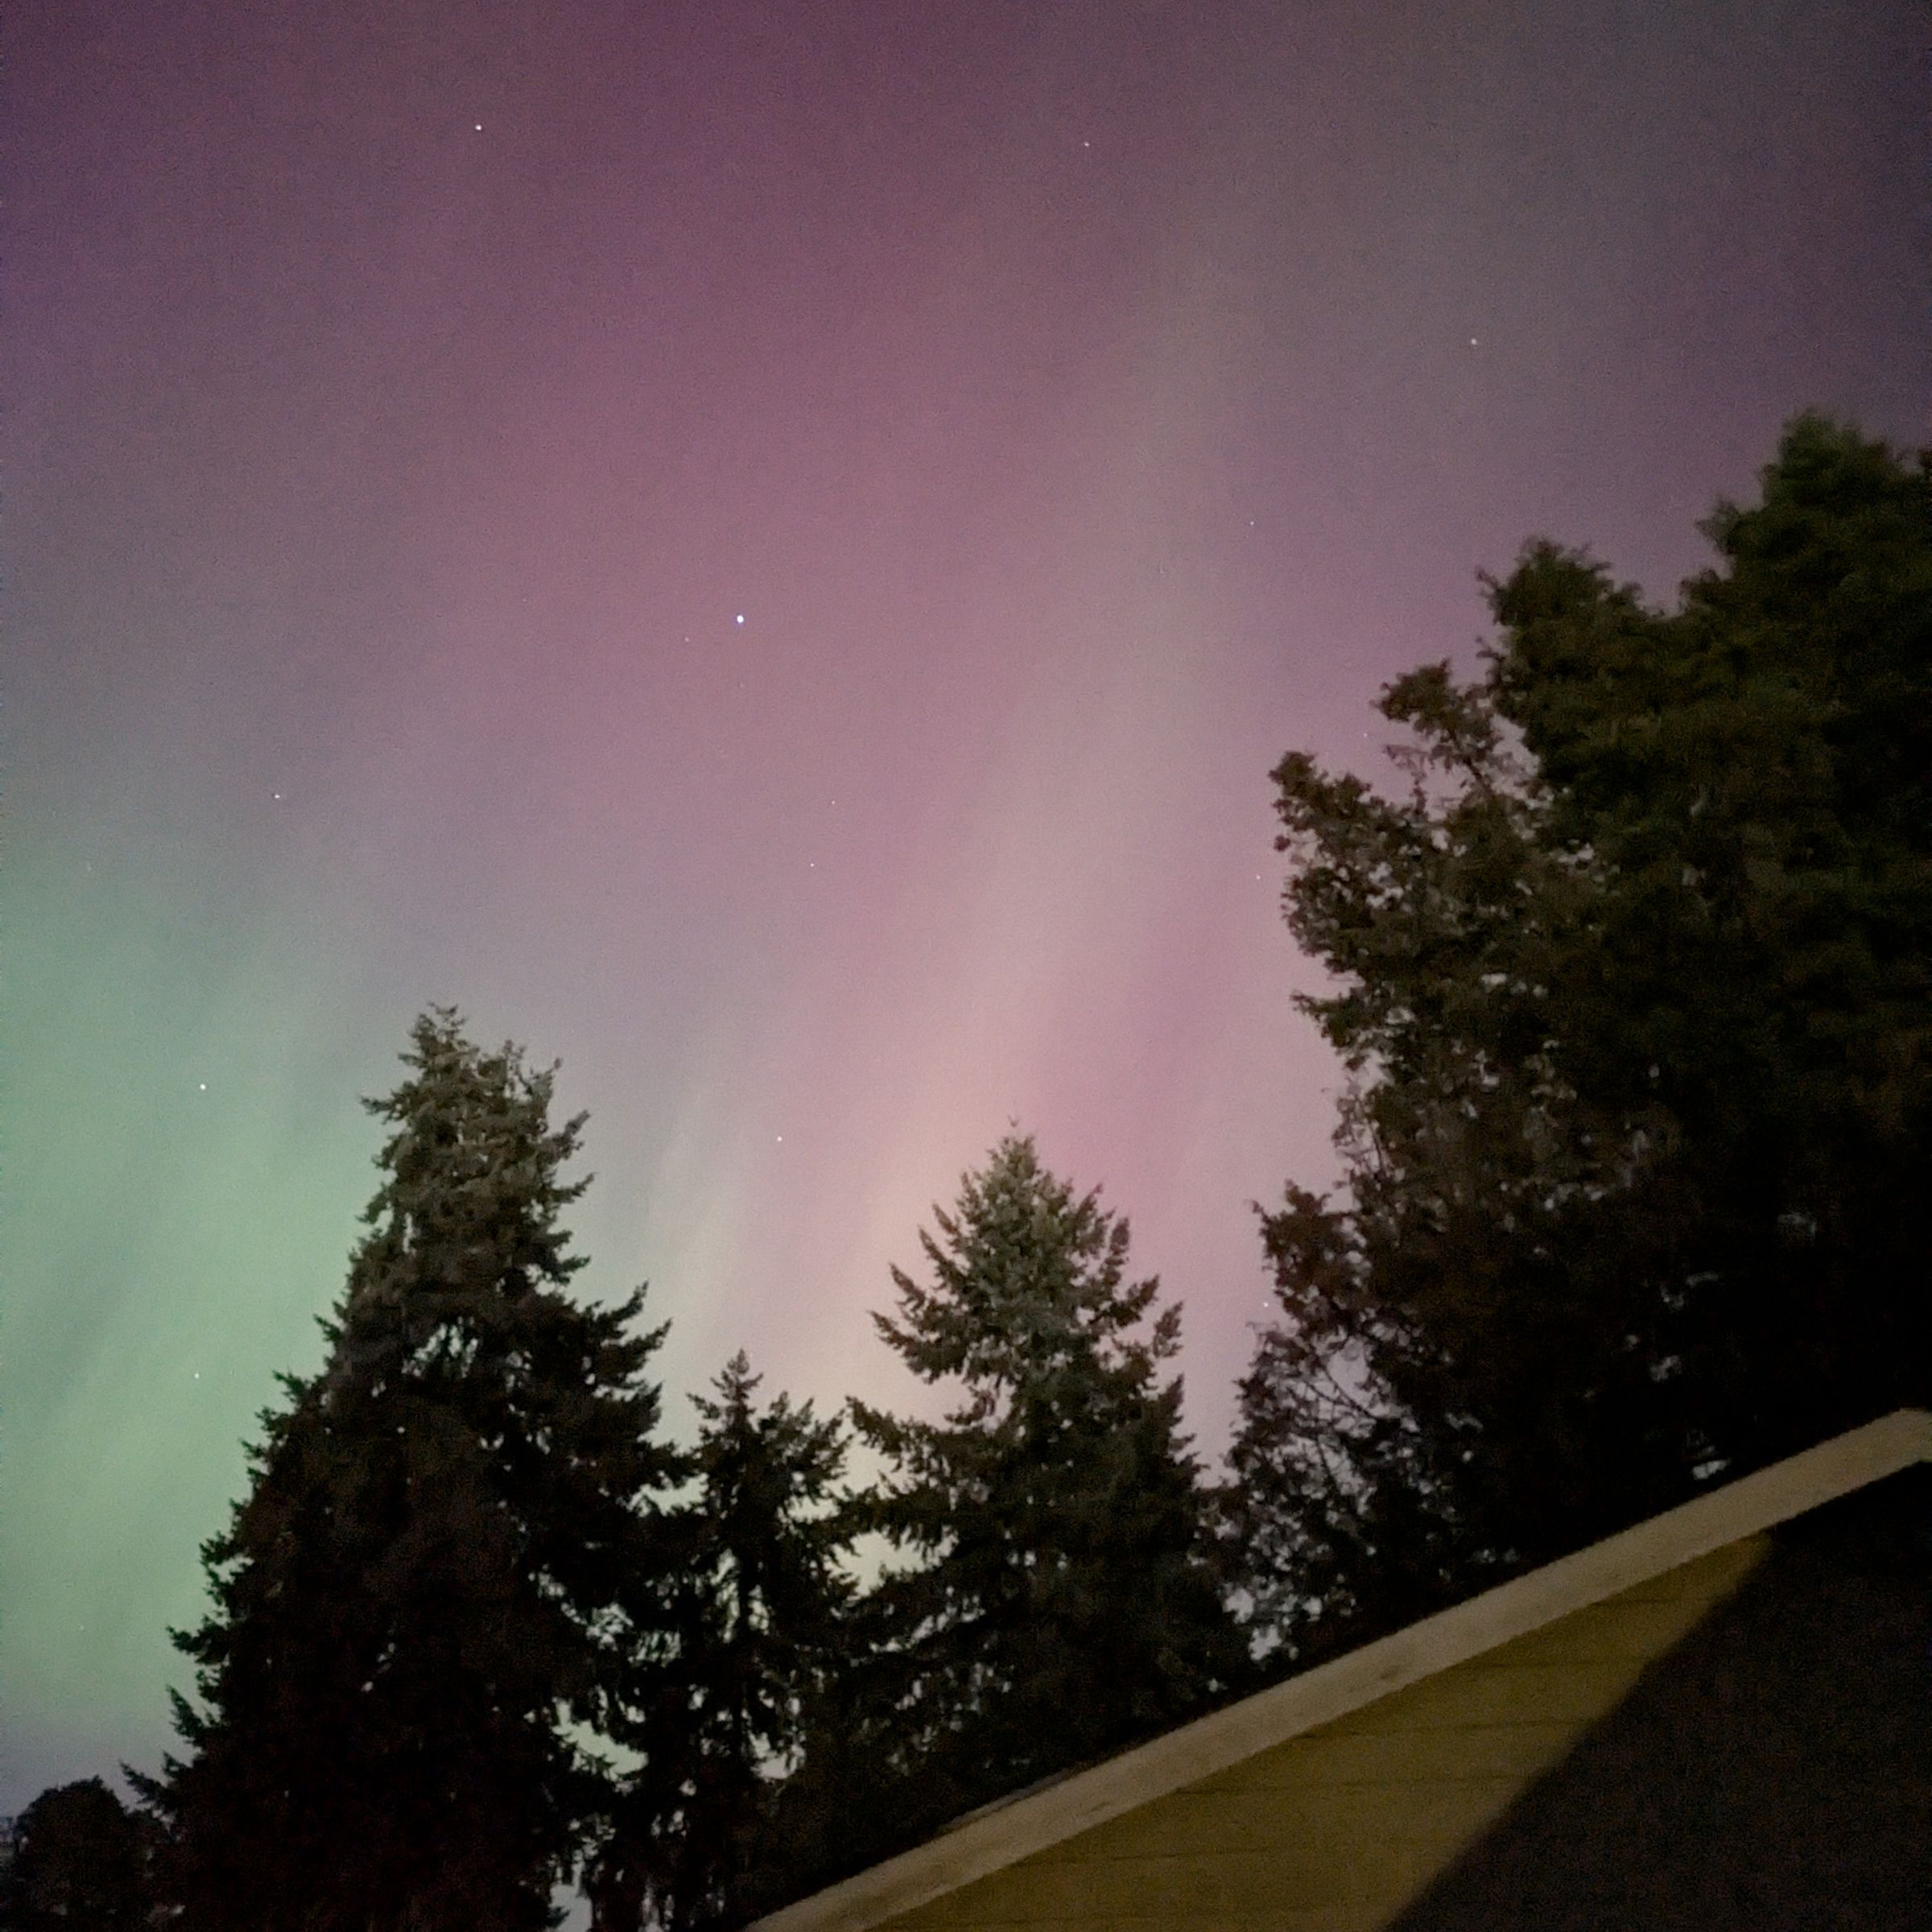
<point x="739" y="618"/>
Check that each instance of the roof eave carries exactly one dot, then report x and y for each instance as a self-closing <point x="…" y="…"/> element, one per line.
<point x="989" y="1839"/>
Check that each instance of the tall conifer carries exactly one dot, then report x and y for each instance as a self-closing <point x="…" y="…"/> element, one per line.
<point x="444" y="1566"/>
<point x="1634" y="988"/>
<point x="1060" y="1601"/>
<point x="754" y="1619"/>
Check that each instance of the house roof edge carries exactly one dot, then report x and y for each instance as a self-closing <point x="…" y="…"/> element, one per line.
<point x="988" y="1839"/>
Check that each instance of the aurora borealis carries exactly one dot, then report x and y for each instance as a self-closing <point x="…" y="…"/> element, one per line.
<point x="765" y="549"/>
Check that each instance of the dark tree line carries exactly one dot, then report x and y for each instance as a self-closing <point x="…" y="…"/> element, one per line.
<point x="77" y="1858"/>
<point x="480" y="1629"/>
<point x="1634" y="979"/>
<point x="1635" y="984"/>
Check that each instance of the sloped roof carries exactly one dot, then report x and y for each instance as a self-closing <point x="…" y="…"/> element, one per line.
<point x="1694" y="1546"/>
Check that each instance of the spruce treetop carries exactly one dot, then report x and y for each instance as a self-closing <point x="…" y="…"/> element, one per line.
<point x="1027" y="1286"/>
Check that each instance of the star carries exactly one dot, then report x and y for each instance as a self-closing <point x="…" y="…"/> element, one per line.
<point x="202" y="1085"/>
<point x="739" y="618"/>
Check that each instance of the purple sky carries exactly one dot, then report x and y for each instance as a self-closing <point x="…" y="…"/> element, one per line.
<point x="1081" y="403"/>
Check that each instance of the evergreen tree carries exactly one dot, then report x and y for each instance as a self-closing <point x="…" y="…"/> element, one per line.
<point x="1754" y="775"/>
<point x="754" y="1617"/>
<point x="444" y="1570"/>
<point x="78" y="1862"/>
<point x="1635" y="988"/>
<point x="1062" y="1600"/>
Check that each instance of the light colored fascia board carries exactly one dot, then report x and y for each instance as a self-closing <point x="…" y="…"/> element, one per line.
<point x="991" y="1840"/>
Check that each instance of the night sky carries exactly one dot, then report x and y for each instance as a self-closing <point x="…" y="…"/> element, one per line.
<point x="766" y="549"/>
